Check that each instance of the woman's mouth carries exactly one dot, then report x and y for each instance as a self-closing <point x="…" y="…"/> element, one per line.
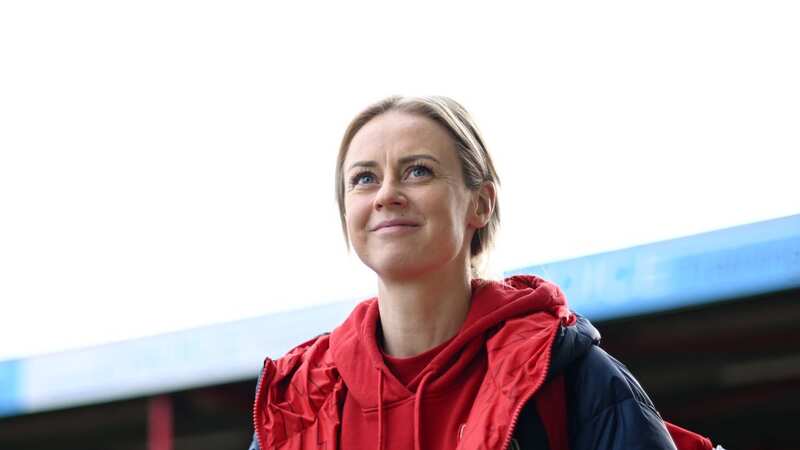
<point x="395" y="225"/>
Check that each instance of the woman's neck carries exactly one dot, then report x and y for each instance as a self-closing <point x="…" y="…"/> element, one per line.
<point x="419" y="315"/>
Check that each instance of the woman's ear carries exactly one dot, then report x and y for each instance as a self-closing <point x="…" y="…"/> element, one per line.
<point x="482" y="205"/>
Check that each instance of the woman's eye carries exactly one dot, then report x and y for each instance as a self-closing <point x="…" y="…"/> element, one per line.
<point x="362" y="178"/>
<point x="419" y="171"/>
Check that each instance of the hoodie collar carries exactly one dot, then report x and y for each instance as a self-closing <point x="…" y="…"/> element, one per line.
<point x="358" y="357"/>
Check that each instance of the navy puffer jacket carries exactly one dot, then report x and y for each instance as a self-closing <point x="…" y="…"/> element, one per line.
<point x="606" y="407"/>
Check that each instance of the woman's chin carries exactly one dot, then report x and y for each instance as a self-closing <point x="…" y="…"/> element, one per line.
<point x="407" y="262"/>
<point x="400" y="268"/>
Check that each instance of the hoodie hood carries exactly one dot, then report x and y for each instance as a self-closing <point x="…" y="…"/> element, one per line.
<point x="357" y="356"/>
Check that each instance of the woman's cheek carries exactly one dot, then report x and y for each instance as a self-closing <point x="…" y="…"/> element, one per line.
<point x="356" y="215"/>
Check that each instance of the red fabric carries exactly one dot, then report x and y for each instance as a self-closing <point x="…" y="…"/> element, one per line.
<point x="552" y="409"/>
<point x="687" y="440"/>
<point x="468" y="395"/>
<point x="406" y="369"/>
<point x="440" y="416"/>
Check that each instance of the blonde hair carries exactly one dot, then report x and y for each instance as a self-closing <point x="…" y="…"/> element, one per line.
<point x="476" y="164"/>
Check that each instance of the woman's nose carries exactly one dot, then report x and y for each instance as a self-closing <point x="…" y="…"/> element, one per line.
<point x="390" y="195"/>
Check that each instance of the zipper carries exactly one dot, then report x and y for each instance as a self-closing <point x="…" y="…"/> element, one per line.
<point x="256" y="402"/>
<point x="527" y="398"/>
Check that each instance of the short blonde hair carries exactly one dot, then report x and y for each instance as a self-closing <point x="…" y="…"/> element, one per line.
<point x="476" y="164"/>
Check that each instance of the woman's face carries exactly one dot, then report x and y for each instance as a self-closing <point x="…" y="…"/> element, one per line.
<point x="407" y="209"/>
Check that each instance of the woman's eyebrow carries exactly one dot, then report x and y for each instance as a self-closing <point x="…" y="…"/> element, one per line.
<point x="403" y="160"/>
<point x="410" y="158"/>
<point x="362" y="164"/>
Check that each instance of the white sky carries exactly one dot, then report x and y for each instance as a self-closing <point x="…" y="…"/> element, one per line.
<point x="167" y="164"/>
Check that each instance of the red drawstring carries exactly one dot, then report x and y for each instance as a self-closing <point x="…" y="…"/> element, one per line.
<point x="380" y="409"/>
<point x="417" y="415"/>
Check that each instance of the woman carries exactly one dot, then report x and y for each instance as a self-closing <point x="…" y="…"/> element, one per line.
<point x="442" y="359"/>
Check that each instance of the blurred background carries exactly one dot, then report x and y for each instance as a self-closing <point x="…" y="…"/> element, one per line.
<point x="167" y="215"/>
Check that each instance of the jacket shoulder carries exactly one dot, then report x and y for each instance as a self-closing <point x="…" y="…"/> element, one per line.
<point x="608" y="408"/>
<point x="308" y="367"/>
<point x="315" y="347"/>
<point x="304" y="382"/>
<point x="571" y="343"/>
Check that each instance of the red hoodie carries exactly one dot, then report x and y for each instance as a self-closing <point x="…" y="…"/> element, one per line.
<point x="469" y="395"/>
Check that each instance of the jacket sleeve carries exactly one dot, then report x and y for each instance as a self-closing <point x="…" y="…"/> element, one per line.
<point x="609" y="410"/>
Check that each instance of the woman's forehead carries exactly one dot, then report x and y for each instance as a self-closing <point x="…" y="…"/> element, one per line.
<point x="397" y="134"/>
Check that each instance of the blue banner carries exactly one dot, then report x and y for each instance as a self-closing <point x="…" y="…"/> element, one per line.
<point x="10" y="398"/>
<point x="716" y="266"/>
